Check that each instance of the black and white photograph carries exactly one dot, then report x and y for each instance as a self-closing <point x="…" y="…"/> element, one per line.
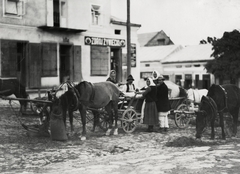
<point x="119" y="86"/>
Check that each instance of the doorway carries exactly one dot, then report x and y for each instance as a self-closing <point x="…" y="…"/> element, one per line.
<point x="206" y="81"/>
<point x="21" y="62"/>
<point x="65" y="54"/>
<point x="116" y="62"/>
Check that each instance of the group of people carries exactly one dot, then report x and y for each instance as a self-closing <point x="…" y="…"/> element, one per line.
<point x="156" y="104"/>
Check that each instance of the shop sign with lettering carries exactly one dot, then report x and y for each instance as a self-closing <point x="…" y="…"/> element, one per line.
<point x="104" y="41"/>
<point x="133" y="55"/>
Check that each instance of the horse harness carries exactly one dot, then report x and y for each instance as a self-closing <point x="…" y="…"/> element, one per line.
<point x="213" y="107"/>
<point x="225" y="99"/>
<point x="93" y="93"/>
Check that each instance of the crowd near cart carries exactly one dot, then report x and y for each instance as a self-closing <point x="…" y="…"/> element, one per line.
<point x="129" y="110"/>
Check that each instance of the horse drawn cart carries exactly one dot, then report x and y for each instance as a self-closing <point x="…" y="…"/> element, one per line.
<point x="182" y="109"/>
<point x="130" y="112"/>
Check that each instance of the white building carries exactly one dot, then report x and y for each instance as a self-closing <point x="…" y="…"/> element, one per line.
<point x="151" y="59"/>
<point x="44" y="41"/>
<point x="187" y="66"/>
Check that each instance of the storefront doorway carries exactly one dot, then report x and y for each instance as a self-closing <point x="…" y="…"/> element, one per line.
<point x="65" y="62"/>
<point x="116" y="62"/>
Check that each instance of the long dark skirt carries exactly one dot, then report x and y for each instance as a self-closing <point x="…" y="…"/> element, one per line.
<point x="150" y="114"/>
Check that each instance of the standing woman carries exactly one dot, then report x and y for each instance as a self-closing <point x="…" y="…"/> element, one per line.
<point x="150" y="110"/>
<point x="163" y="104"/>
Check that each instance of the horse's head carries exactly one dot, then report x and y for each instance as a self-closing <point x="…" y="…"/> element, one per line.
<point x="201" y="123"/>
<point x="207" y="112"/>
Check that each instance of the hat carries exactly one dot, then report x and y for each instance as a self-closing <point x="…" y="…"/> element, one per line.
<point x="130" y="77"/>
<point x="160" y="77"/>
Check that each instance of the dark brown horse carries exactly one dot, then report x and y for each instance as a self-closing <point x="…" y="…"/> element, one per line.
<point x="67" y="102"/>
<point x="13" y="87"/>
<point x="96" y="96"/>
<point x="222" y="99"/>
<point x="93" y="96"/>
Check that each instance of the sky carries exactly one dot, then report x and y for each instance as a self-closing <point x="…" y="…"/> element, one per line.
<point x="186" y="22"/>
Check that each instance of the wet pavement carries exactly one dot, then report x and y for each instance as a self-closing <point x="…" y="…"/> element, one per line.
<point x="140" y="152"/>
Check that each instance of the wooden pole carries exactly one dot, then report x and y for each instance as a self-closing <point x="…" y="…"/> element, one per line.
<point x="128" y="39"/>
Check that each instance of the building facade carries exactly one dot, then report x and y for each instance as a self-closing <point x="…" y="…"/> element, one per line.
<point x="44" y="42"/>
<point x="186" y="67"/>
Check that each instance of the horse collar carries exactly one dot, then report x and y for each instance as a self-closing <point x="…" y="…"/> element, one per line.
<point x="91" y="99"/>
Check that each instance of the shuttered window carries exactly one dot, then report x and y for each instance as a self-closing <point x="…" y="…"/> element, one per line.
<point x="8" y="58"/>
<point x="100" y="57"/>
<point x="49" y="59"/>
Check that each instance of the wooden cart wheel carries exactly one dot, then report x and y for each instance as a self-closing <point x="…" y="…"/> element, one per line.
<point x="129" y="120"/>
<point x="103" y="120"/>
<point x="182" y="119"/>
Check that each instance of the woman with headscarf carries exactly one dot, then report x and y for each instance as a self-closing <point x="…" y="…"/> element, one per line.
<point x="150" y="110"/>
<point x="112" y="77"/>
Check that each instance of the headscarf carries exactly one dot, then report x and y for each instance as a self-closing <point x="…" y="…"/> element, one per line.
<point x="151" y="82"/>
<point x="155" y="72"/>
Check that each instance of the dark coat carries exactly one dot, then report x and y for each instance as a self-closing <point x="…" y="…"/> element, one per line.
<point x="111" y="80"/>
<point x="163" y="104"/>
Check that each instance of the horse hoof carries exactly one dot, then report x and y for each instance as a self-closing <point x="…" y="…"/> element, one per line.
<point x="82" y="138"/>
<point x="115" y="132"/>
<point x="108" y="132"/>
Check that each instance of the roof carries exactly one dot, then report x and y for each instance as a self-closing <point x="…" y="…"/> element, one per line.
<point x="145" y="38"/>
<point x="157" y="53"/>
<point x="194" y="53"/>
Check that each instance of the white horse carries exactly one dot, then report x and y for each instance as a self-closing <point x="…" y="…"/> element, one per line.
<point x="195" y="95"/>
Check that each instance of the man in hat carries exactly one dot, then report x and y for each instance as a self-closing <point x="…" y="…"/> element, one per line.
<point x="163" y="104"/>
<point x="129" y="87"/>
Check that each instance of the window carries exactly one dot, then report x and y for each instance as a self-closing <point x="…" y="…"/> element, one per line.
<point x="145" y="75"/>
<point x="63" y="9"/>
<point x="118" y="32"/>
<point x="161" y="41"/>
<point x="100" y="57"/>
<point x="49" y="59"/>
<point x="14" y="7"/>
<point x="95" y="14"/>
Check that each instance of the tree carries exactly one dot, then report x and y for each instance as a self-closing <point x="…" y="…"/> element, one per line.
<point x="226" y="53"/>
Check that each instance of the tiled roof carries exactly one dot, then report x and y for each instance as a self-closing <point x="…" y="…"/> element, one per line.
<point x="190" y="54"/>
<point x="157" y="53"/>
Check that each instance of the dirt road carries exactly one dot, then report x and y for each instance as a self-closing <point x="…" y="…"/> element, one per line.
<point x="140" y="152"/>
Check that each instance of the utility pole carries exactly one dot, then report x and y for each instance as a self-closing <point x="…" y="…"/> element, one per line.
<point x="128" y="39"/>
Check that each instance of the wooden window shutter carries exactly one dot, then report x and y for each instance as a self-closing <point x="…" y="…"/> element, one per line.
<point x="49" y="59"/>
<point x="99" y="60"/>
<point x="35" y="63"/>
<point x="77" y="64"/>
<point x="8" y="58"/>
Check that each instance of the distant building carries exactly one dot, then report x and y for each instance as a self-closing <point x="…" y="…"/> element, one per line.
<point x="154" y="39"/>
<point x="187" y="66"/>
<point x="151" y="59"/>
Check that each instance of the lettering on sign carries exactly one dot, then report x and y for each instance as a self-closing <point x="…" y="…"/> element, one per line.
<point x="104" y="41"/>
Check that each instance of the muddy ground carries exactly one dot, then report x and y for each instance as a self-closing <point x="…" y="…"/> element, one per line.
<point x="176" y="151"/>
